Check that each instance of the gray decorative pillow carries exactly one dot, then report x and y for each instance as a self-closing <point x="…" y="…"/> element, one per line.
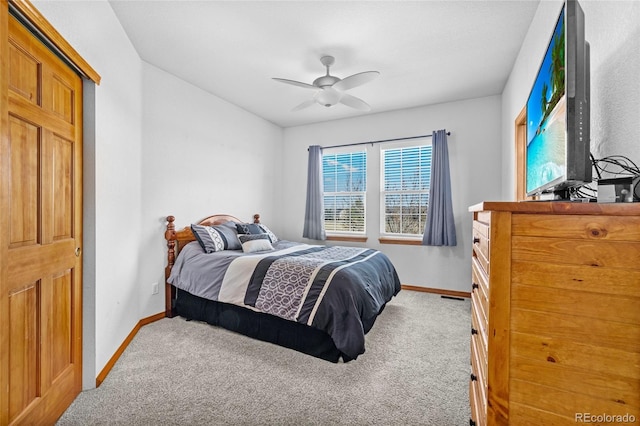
<point x="255" y="242"/>
<point x="271" y="235"/>
<point x="216" y="238"/>
<point x="230" y="231"/>
<point x="249" y="228"/>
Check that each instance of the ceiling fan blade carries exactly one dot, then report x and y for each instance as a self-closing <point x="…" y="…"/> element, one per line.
<point x="304" y="105"/>
<point x="354" y="102"/>
<point x="355" y="80"/>
<point x="296" y="83"/>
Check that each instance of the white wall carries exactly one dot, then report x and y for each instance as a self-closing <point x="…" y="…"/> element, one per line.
<point x="200" y="155"/>
<point x="613" y="31"/>
<point x="474" y="150"/>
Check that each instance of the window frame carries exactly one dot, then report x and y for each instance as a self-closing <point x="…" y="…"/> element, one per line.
<point x="396" y="237"/>
<point x="347" y="235"/>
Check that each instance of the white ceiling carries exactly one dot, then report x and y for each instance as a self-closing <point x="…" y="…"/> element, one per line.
<point x="427" y="52"/>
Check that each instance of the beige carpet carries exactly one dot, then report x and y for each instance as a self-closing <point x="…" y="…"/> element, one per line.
<point x="415" y="371"/>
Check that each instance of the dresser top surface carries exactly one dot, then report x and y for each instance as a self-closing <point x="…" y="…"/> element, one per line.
<point x="559" y="207"/>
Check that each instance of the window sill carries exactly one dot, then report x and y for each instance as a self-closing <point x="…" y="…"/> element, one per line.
<point x="401" y="241"/>
<point x="349" y="238"/>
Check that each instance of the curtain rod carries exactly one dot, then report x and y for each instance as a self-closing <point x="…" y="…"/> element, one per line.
<point x="380" y="141"/>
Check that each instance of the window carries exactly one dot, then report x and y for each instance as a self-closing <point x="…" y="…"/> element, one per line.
<point x="406" y="175"/>
<point x="345" y="185"/>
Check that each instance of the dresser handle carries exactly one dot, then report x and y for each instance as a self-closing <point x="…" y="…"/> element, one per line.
<point x="471" y="422"/>
<point x="473" y="331"/>
<point x="473" y="377"/>
<point x="474" y="286"/>
<point x="476" y="240"/>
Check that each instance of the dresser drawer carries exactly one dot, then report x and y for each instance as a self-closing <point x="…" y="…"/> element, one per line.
<point x="478" y="384"/>
<point x="483" y="217"/>
<point x="479" y="314"/>
<point x="481" y="244"/>
<point x="592" y="227"/>
<point x="479" y="343"/>
<point x="478" y="418"/>
<point x="480" y="284"/>
<point x="481" y="229"/>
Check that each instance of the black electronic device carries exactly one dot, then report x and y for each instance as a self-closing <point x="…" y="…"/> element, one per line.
<point x="558" y="141"/>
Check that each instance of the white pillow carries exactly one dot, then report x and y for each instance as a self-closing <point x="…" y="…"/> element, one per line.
<point x="255" y="242"/>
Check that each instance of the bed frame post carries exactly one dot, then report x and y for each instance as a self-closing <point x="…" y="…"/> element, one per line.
<point x="256" y="218"/>
<point x="169" y="290"/>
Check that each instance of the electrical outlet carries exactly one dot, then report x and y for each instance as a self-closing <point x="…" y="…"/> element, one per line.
<point x="154" y="288"/>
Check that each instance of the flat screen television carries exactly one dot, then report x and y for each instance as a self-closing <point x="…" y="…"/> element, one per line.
<point x="558" y="143"/>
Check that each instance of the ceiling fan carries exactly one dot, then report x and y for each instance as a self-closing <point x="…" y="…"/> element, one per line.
<point x="330" y="89"/>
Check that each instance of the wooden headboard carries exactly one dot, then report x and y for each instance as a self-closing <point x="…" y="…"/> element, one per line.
<point x="177" y="239"/>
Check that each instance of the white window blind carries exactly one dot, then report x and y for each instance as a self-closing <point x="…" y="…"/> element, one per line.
<point x="405" y="190"/>
<point x="345" y="185"/>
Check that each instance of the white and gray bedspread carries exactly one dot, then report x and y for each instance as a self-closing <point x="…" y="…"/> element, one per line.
<point x="339" y="290"/>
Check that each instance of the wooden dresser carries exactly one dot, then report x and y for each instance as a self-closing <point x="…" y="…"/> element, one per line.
<point x="555" y="333"/>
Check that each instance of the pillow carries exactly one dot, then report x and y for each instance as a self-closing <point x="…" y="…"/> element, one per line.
<point x="267" y="231"/>
<point x="255" y="242"/>
<point x="216" y="238"/>
<point x="229" y="228"/>
<point x="248" y="228"/>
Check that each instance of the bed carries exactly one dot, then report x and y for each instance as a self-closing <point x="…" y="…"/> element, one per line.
<point x="319" y="300"/>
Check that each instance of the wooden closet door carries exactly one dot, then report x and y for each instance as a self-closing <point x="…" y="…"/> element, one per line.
<point x="41" y="233"/>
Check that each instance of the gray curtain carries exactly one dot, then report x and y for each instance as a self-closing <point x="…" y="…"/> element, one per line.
<point x="314" y="213"/>
<point x="440" y="229"/>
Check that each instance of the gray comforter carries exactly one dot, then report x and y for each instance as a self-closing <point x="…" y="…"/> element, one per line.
<point x="339" y="290"/>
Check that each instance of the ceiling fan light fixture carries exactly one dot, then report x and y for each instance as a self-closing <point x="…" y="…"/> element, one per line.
<point x="328" y="96"/>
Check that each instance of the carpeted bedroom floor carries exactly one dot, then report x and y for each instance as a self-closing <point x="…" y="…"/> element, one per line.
<point x="415" y="371"/>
